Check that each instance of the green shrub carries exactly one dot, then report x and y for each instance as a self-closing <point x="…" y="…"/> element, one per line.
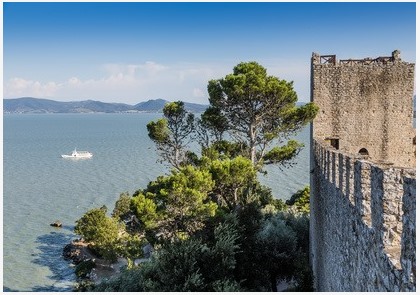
<point x="84" y="268"/>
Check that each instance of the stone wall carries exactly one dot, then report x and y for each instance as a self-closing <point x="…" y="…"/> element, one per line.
<point x="362" y="223"/>
<point x="366" y="104"/>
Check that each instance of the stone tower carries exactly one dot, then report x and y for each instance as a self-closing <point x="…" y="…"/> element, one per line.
<point x="366" y="107"/>
<point x="363" y="185"/>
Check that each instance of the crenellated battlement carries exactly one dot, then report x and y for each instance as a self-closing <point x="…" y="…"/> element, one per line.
<point x="332" y="60"/>
<point x="365" y="223"/>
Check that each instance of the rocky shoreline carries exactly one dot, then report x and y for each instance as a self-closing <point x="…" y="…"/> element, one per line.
<point x="89" y="268"/>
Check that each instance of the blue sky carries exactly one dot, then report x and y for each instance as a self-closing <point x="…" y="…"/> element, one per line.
<point x="132" y="52"/>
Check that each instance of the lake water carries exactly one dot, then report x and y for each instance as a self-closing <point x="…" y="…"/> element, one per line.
<point x="40" y="187"/>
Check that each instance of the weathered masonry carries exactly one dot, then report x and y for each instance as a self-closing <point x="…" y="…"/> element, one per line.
<point x="363" y="184"/>
<point x="366" y="107"/>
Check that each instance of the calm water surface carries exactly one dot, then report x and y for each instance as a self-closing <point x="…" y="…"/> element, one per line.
<point x="40" y="187"/>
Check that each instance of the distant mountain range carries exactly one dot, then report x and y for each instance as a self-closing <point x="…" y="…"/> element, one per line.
<point x="30" y="105"/>
<point x="25" y="105"/>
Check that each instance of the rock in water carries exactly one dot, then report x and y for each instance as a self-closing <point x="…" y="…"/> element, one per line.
<point x="56" y="223"/>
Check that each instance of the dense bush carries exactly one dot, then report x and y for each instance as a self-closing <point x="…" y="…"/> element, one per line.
<point x="184" y="265"/>
<point x="100" y="230"/>
<point x="84" y="268"/>
<point x="300" y="200"/>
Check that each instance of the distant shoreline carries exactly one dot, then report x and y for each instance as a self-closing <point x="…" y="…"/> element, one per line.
<point x="81" y="113"/>
<point x="32" y="105"/>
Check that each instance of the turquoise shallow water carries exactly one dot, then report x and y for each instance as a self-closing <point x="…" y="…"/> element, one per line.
<point x="40" y="187"/>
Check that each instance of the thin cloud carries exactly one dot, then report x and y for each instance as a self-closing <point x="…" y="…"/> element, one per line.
<point x="129" y="83"/>
<point x="21" y="87"/>
<point x="132" y="83"/>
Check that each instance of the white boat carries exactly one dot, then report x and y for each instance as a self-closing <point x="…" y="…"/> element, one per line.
<point x="78" y="154"/>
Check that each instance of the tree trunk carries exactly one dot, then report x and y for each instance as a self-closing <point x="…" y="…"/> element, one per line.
<point x="235" y="196"/>
<point x="252" y="147"/>
<point x="253" y="152"/>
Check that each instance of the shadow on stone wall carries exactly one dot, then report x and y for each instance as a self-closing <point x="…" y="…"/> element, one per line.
<point x="363" y="220"/>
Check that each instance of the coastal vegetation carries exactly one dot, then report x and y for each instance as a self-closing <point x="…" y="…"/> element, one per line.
<point x="211" y="224"/>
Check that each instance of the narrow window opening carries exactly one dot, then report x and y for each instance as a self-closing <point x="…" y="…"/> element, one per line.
<point x="335" y="143"/>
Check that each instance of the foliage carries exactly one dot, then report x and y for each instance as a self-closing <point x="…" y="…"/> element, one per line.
<point x="279" y="204"/>
<point x="226" y="286"/>
<point x="176" y="268"/>
<point x="211" y="125"/>
<point x="102" y="231"/>
<point x="177" y="204"/>
<point x="84" y="286"/>
<point x="183" y="266"/>
<point x="84" y="268"/>
<point x="128" y="281"/>
<point x="122" y="207"/>
<point x="130" y="246"/>
<point x="277" y="242"/>
<point x="302" y="272"/>
<point x="269" y="209"/>
<point x="172" y="133"/>
<point x="145" y="210"/>
<point x="250" y="267"/>
<point x="300" y="200"/>
<point x="300" y="224"/>
<point x="273" y="247"/>
<point x="232" y="178"/>
<point x="257" y="108"/>
<point x="213" y="226"/>
<point x="284" y="154"/>
<point x="223" y="149"/>
<point x="222" y="254"/>
<point x="247" y="251"/>
<point x="159" y="131"/>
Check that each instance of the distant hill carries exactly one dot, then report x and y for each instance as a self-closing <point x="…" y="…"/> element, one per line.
<point x="156" y="105"/>
<point x="153" y="105"/>
<point x="38" y="105"/>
